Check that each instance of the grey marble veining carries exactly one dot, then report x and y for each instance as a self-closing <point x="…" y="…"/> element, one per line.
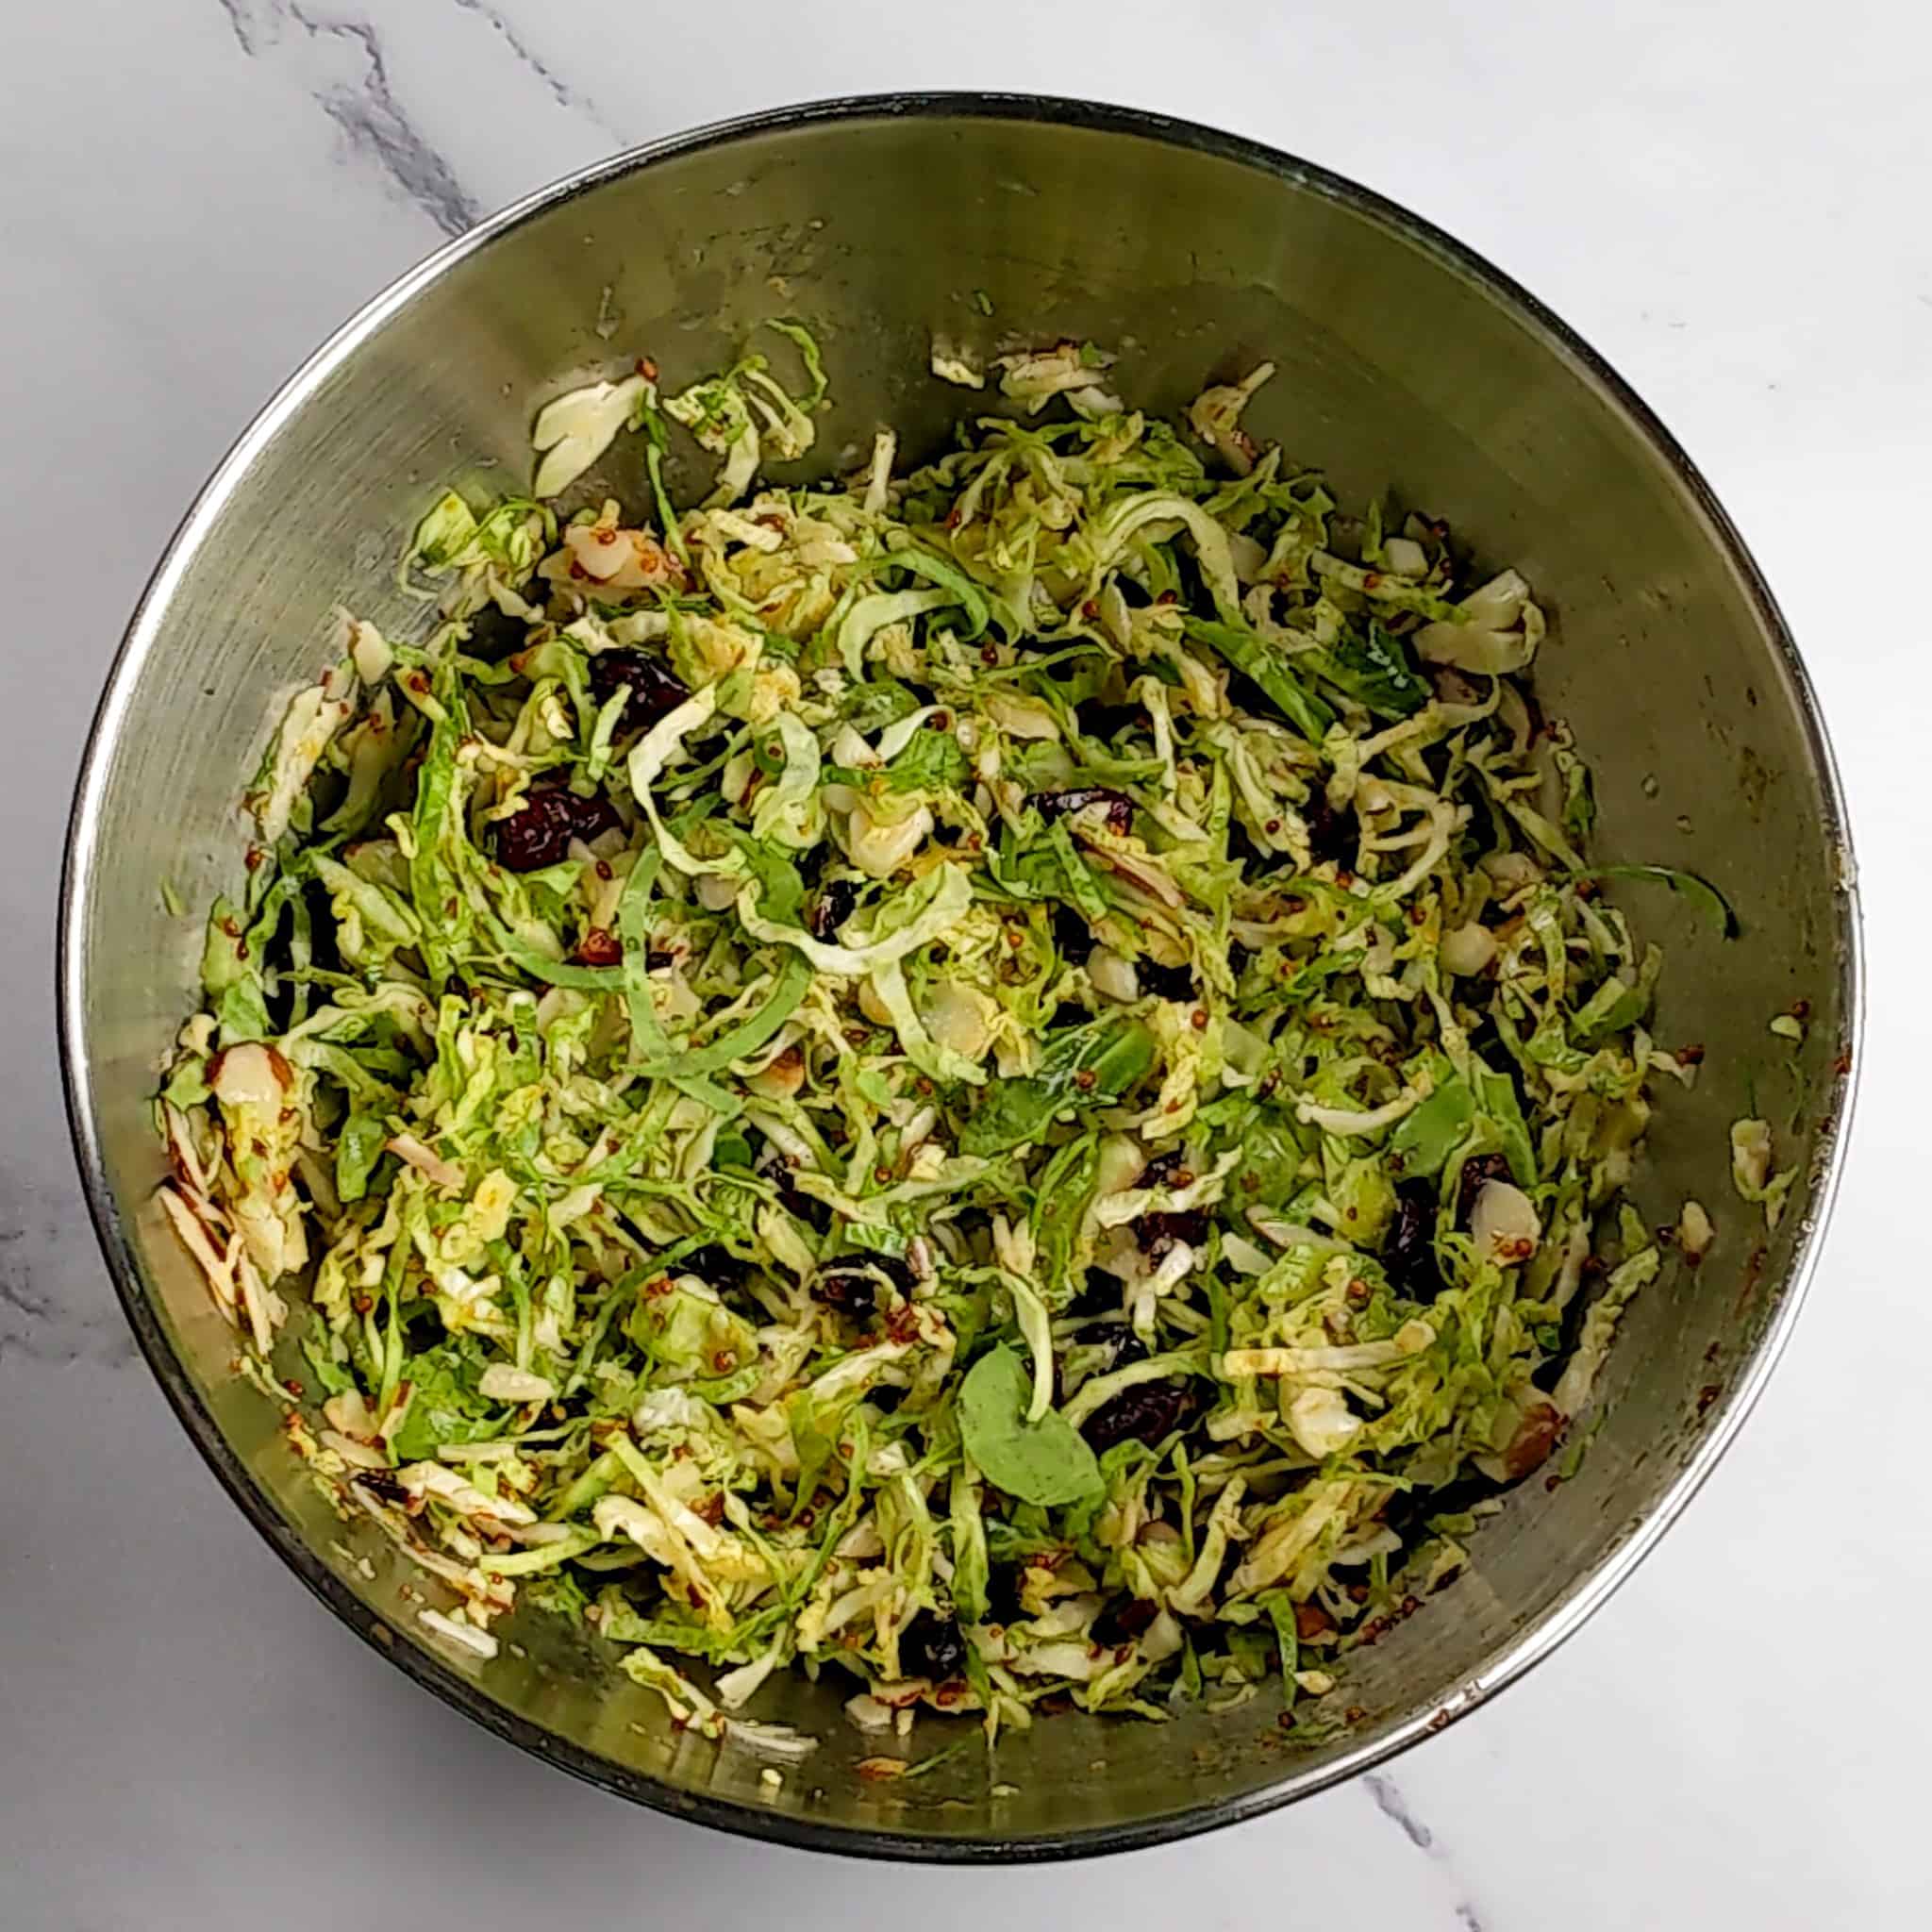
<point x="196" y="191"/>
<point x="359" y="101"/>
<point x="561" y="92"/>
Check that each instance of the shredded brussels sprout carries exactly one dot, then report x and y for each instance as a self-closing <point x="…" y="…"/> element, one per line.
<point x="1008" y="1075"/>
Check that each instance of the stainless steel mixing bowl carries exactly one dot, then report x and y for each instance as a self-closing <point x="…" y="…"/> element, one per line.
<point x="1406" y="364"/>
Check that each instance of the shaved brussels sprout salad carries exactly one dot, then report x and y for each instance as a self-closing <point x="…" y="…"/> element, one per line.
<point x="1008" y="1079"/>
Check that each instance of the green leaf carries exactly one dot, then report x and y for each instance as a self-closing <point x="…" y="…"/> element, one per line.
<point x="781" y="890"/>
<point x="720" y="1100"/>
<point x="357" y="1152"/>
<point x="1496" y="1093"/>
<point x="932" y="761"/>
<point x="187" y="1084"/>
<point x="332" y="1376"/>
<point x="1092" y="1065"/>
<point x="1374" y="670"/>
<point x="1269" y="1173"/>
<point x="444" y="1406"/>
<point x="814" y="1438"/>
<point x="221" y="960"/>
<point x="1255" y="658"/>
<point x="1083" y="889"/>
<point x="1046" y="1462"/>
<point x="946" y="575"/>
<point x="877" y="1241"/>
<point x="1619" y="1003"/>
<point x="241" y="1012"/>
<point x="1424" y="1140"/>
<point x="1059" y="1202"/>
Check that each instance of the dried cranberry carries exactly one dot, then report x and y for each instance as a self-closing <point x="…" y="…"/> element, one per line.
<point x="773" y="1166"/>
<point x="1072" y="935"/>
<point x="1123" y="1622"/>
<point x="1331" y="833"/>
<point x="1476" y="1174"/>
<point x="1162" y="1170"/>
<point x="382" y="1485"/>
<point x="833" y="906"/>
<point x="1168" y="982"/>
<point x="1121" y="1345"/>
<point x="932" y="1646"/>
<point x="653" y="690"/>
<point x="600" y="947"/>
<point x="714" y="1264"/>
<point x="1100" y="1295"/>
<point x="1408" y="1251"/>
<point x="551" y="817"/>
<point x="897" y="1266"/>
<point x="1148" y="1412"/>
<point x="1157" y="1233"/>
<point x="1120" y="808"/>
<point x="845" y="1289"/>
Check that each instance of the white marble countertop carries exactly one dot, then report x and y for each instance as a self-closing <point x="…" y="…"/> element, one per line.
<point x="1733" y="211"/>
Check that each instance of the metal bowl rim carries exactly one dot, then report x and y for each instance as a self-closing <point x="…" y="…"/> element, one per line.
<point x="1586" y="1595"/>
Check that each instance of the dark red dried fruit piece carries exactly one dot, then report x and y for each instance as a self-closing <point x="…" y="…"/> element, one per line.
<point x="897" y="1266"/>
<point x="1072" y="935"/>
<point x="600" y="947"/>
<point x="1331" y="833"/>
<point x="1168" y="982"/>
<point x="845" y="1289"/>
<point x="932" y="1646"/>
<point x="1058" y="804"/>
<point x="1157" y="1233"/>
<point x="1409" y="1252"/>
<point x="653" y="690"/>
<point x="1484" y="1168"/>
<point x="714" y="1264"/>
<point x="1160" y="1172"/>
<point x="1123" y="1345"/>
<point x="772" y="1166"/>
<point x="1100" y="1295"/>
<point x="551" y="817"/>
<point x="834" y="905"/>
<point x="1148" y="1412"/>
<point x="1123" y="1622"/>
